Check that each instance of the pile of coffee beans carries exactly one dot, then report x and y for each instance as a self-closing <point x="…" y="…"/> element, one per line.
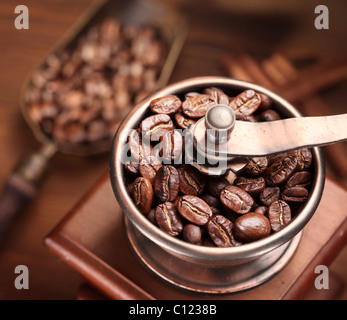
<point x="79" y="95"/>
<point x="221" y="211"/>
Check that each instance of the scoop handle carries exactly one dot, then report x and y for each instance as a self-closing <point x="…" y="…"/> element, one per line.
<point x="16" y="194"/>
<point x="272" y="137"/>
<point x="21" y="186"/>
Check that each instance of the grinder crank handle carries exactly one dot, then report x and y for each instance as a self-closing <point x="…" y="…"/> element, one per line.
<point x="255" y="139"/>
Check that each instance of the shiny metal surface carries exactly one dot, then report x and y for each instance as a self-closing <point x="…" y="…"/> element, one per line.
<point x="257" y="138"/>
<point x="219" y="123"/>
<point x="179" y="250"/>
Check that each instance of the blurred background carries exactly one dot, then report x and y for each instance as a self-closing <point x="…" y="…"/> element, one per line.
<point x="274" y="43"/>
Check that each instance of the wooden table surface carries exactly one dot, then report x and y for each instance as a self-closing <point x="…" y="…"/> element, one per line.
<point x="215" y="28"/>
<point x="92" y="239"/>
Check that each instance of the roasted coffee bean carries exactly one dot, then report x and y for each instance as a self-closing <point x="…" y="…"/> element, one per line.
<point x="167" y="183"/>
<point x="245" y="104"/>
<point x="279" y="214"/>
<point x="190" y="94"/>
<point x="216" y="185"/>
<point x="280" y="171"/>
<point x="217" y="95"/>
<point x="168" y="219"/>
<point x="269" y="195"/>
<point x="251" y="227"/>
<point x="236" y="199"/>
<point x="191" y="180"/>
<point x="194" y="209"/>
<point x="265" y="102"/>
<point x="151" y="216"/>
<point x="207" y="242"/>
<point x="182" y="121"/>
<point x="256" y="166"/>
<point x="167" y="105"/>
<point x="251" y="185"/>
<point x="196" y="106"/>
<point x="215" y="210"/>
<point x="220" y="230"/>
<point x="175" y="202"/>
<point x="192" y="233"/>
<point x="304" y="158"/>
<point x="277" y="157"/>
<point x="154" y="127"/>
<point x="143" y="194"/>
<point x="250" y="118"/>
<point x="211" y="200"/>
<point x="299" y="179"/>
<point x="171" y="147"/>
<point x="261" y="210"/>
<point x="138" y="149"/>
<point x="295" y="194"/>
<point x="255" y="206"/>
<point x="130" y="187"/>
<point x="270" y="115"/>
<point x="132" y="168"/>
<point x="148" y="168"/>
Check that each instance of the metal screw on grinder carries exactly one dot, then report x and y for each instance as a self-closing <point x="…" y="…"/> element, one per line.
<point x="219" y="122"/>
